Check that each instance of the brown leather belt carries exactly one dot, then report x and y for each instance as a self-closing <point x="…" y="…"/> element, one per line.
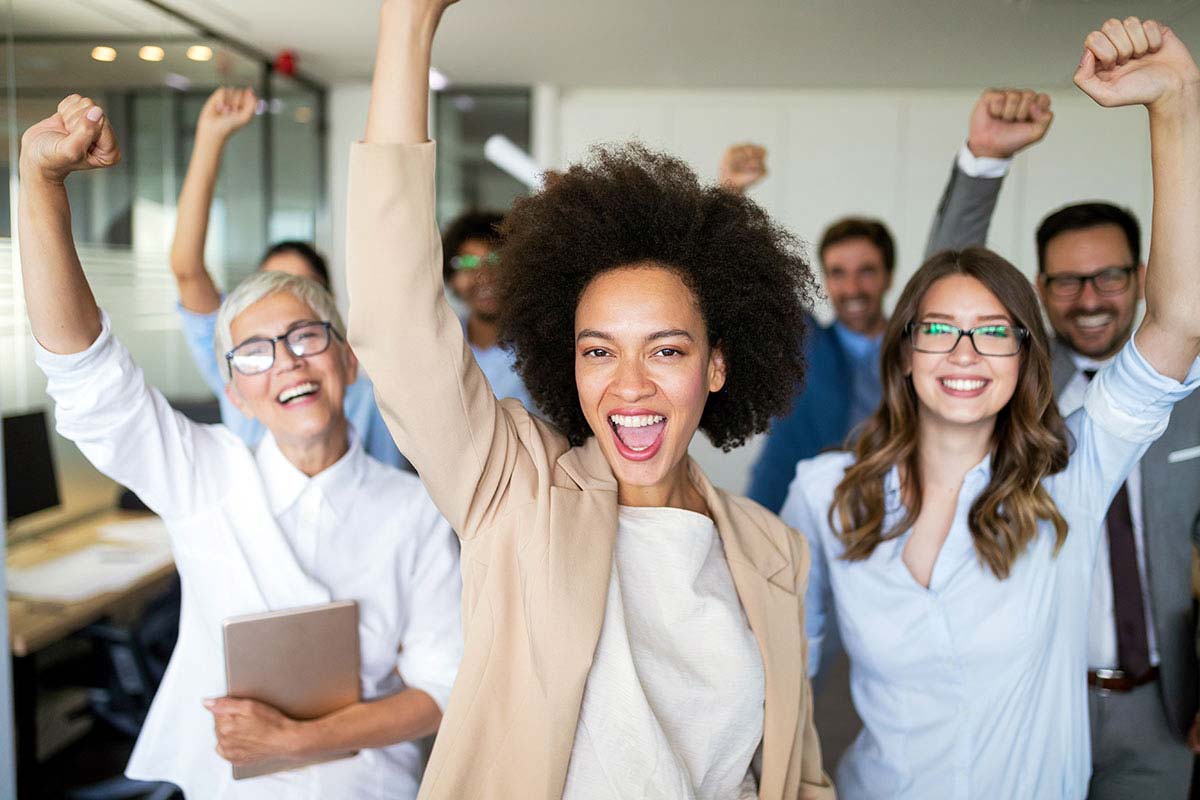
<point x="1114" y="680"/>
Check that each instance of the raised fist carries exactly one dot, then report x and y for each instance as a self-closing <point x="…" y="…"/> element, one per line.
<point x="1006" y="121"/>
<point x="76" y="137"/>
<point x="1134" y="63"/>
<point x="742" y="166"/>
<point x="226" y="111"/>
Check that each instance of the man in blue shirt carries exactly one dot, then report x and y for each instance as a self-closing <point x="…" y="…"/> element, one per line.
<point x="469" y="261"/>
<point x="224" y="113"/>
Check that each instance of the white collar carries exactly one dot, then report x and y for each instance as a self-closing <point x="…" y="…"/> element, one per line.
<point x="1082" y="362"/>
<point x="285" y="482"/>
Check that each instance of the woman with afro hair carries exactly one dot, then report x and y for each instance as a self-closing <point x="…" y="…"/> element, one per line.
<point x="629" y="630"/>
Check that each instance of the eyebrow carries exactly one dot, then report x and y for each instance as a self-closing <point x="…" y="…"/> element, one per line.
<point x="985" y="318"/>
<point x="589" y="333"/>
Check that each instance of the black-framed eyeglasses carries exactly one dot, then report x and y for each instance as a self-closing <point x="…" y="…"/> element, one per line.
<point x="475" y="262"/>
<point x="1110" y="281"/>
<point x="257" y="355"/>
<point x="988" y="340"/>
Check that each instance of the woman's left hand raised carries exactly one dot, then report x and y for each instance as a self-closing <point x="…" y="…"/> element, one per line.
<point x="1132" y="62"/>
<point x="248" y="730"/>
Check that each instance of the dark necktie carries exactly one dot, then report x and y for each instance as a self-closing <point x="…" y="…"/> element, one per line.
<point x="1133" y="648"/>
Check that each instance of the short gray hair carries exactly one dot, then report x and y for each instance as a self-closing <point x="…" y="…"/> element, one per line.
<point x="262" y="284"/>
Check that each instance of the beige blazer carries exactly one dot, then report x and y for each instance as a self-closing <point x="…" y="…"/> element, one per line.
<point x="537" y="519"/>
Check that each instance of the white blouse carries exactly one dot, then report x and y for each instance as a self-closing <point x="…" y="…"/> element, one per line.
<point x="252" y="533"/>
<point x="673" y="706"/>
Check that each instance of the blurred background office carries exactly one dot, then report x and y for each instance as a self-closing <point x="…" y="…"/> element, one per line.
<point x="862" y="105"/>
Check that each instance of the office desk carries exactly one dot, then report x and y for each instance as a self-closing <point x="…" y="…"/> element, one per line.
<point x="35" y="624"/>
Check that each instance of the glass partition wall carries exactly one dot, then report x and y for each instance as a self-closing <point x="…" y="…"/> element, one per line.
<point x="152" y="72"/>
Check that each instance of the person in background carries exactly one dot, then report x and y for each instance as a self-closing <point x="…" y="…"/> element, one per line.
<point x="225" y="112"/>
<point x="470" y="258"/>
<point x="304" y="518"/>
<point x="1142" y="668"/>
<point x="958" y="539"/>
<point x="857" y="261"/>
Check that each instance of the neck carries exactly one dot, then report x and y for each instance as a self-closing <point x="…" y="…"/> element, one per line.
<point x="315" y="455"/>
<point x="948" y="452"/>
<point x="675" y="491"/>
<point x="482" y="333"/>
<point x="873" y="329"/>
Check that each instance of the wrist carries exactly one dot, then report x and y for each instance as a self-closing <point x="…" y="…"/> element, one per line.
<point x="299" y="738"/>
<point x="411" y="19"/>
<point x="1180" y="101"/>
<point x="985" y="151"/>
<point x="35" y="178"/>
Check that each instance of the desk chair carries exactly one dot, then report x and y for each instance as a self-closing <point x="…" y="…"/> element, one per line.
<point x="136" y="659"/>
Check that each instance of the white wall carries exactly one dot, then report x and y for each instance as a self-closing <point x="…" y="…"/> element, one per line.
<point x="880" y="153"/>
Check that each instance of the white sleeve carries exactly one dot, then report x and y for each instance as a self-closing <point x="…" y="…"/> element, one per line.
<point x="432" y="643"/>
<point x="799" y="513"/>
<point x="975" y="166"/>
<point x="125" y="427"/>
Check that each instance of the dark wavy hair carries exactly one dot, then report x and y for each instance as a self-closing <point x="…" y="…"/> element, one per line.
<point x="625" y="206"/>
<point x="1028" y="444"/>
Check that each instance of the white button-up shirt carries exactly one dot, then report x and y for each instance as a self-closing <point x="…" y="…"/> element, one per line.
<point x="976" y="687"/>
<point x="252" y="533"/>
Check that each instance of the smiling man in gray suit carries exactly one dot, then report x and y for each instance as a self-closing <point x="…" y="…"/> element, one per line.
<point x="1142" y="637"/>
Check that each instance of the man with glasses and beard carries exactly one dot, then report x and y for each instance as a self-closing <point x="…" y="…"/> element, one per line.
<point x="1141" y="640"/>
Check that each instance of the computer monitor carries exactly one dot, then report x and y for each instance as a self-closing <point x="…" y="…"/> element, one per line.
<point x="30" y="484"/>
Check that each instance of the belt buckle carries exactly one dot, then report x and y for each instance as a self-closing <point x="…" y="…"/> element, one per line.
<point x="1107" y="675"/>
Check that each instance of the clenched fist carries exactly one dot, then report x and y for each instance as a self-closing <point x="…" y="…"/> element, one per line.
<point x="77" y="137"/>
<point x="1132" y="62"/>
<point x="1006" y="121"/>
<point x="742" y="166"/>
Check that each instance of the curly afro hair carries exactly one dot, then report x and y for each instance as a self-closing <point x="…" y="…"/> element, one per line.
<point x="628" y="205"/>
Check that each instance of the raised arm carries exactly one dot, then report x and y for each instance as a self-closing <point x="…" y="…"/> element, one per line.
<point x="436" y="401"/>
<point x="742" y="166"/>
<point x="225" y="112"/>
<point x="1132" y="62"/>
<point x="62" y="310"/>
<point x="1003" y="123"/>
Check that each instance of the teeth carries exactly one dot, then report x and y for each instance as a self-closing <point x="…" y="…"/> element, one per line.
<point x="297" y="391"/>
<point x="639" y="421"/>
<point x="1093" y="320"/>
<point x="963" y="385"/>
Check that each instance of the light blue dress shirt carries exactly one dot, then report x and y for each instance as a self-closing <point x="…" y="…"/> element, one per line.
<point x="977" y="687"/>
<point x="199" y="330"/>
<point x="866" y="387"/>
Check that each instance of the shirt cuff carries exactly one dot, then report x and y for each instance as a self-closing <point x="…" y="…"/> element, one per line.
<point x="974" y="166"/>
<point x="64" y="363"/>
<point x="1131" y="400"/>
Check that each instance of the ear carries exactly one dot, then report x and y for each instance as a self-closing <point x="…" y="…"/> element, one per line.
<point x="1141" y="280"/>
<point x="351" y="362"/>
<point x="716" y="368"/>
<point x="887" y="281"/>
<point x="1042" y="289"/>
<point x="238" y="401"/>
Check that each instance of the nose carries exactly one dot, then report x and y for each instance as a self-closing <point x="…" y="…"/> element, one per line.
<point x="631" y="381"/>
<point x="1088" y="296"/>
<point x="285" y="359"/>
<point x="964" y="353"/>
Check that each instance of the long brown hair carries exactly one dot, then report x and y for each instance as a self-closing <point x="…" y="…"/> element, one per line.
<point x="1028" y="444"/>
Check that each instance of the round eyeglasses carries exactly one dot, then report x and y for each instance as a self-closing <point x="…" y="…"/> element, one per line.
<point x="257" y="355"/>
<point x="1109" y="282"/>
<point x="988" y="340"/>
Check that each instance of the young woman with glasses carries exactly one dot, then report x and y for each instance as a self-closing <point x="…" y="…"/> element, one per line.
<point x="954" y="543"/>
<point x="303" y="518"/>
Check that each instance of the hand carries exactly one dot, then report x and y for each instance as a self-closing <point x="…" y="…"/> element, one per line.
<point x="742" y="166"/>
<point x="1135" y="63"/>
<point x="1193" y="737"/>
<point x="248" y="730"/>
<point x="77" y="137"/>
<point x="1006" y="121"/>
<point x="225" y="112"/>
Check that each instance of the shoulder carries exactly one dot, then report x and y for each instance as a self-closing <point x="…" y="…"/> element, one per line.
<point x="821" y="474"/>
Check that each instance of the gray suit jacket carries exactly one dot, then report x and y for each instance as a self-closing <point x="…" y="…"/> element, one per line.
<point x="1170" y="473"/>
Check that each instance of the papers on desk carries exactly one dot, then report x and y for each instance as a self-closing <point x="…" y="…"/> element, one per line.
<point x="126" y="552"/>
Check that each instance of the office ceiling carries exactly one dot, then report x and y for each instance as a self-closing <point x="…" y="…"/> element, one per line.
<point x="650" y="43"/>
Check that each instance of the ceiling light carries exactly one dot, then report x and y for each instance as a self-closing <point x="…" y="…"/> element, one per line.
<point x="501" y="151"/>
<point x="199" y="52"/>
<point x="151" y="52"/>
<point x="103" y="53"/>
<point x="437" y="81"/>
